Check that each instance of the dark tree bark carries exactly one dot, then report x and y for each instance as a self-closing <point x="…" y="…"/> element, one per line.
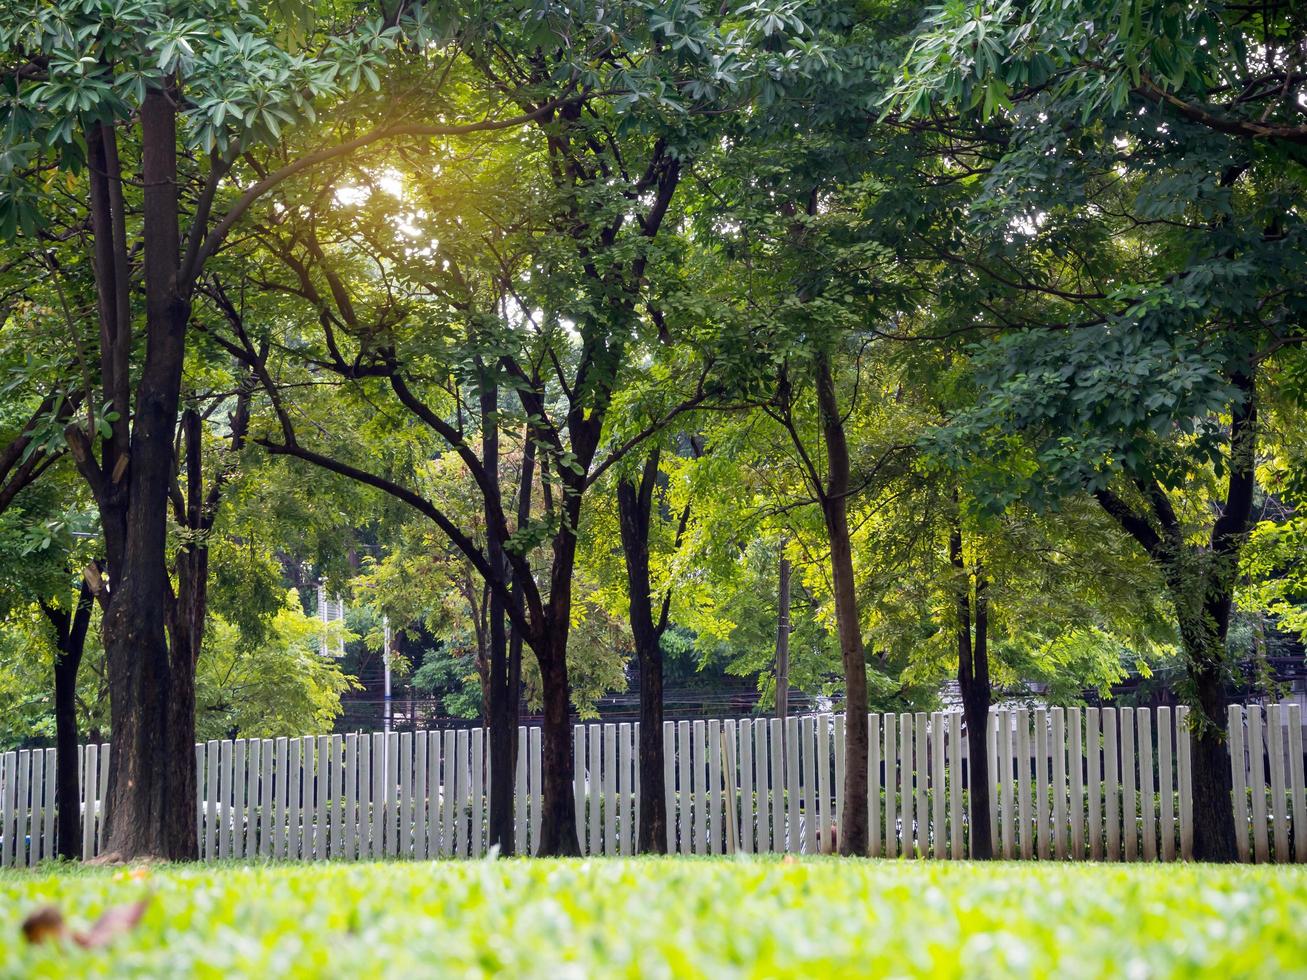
<point x="853" y="836"/>
<point x="635" y="507"/>
<point x="1201" y="583"/>
<point x="783" y="637"/>
<point x="70" y="643"/>
<point x="973" y="680"/>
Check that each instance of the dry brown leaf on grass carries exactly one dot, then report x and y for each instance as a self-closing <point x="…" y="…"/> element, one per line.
<point x="47" y="925"/>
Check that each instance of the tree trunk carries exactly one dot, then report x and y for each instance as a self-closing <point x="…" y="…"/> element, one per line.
<point x="70" y="639"/>
<point x="635" y="510"/>
<point x="783" y="638"/>
<point x="151" y="804"/>
<point x="973" y="681"/>
<point x="558" y="837"/>
<point x="853" y="836"/>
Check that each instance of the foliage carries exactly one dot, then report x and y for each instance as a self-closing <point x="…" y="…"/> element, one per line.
<point x="674" y="917"/>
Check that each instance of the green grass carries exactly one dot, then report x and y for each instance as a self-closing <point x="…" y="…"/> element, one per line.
<point x="673" y="917"/>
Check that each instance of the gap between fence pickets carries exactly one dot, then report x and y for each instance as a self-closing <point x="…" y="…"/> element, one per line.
<point x="1113" y="783"/>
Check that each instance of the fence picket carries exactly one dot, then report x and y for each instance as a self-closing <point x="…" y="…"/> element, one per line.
<point x="822" y="813"/>
<point x="777" y="785"/>
<point x="239" y="776"/>
<point x="1184" y="776"/>
<point x="991" y="757"/>
<point x="1025" y="836"/>
<point x="1094" y="749"/>
<point x="519" y="793"/>
<point x="1041" y="783"/>
<point x="1112" y="786"/>
<point x="891" y="785"/>
<point x="1165" y="783"/>
<point x="669" y="786"/>
<point x="610" y="788"/>
<point x="954" y="778"/>
<point x="873" y="783"/>
<point x="939" y="828"/>
<point x="839" y="737"/>
<point x="808" y="780"/>
<point x="476" y="798"/>
<point x="922" y="778"/>
<point x="1296" y="788"/>
<point x="907" y="798"/>
<point x="1147" y="809"/>
<point x="1008" y="784"/>
<point x="1058" y="744"/>
<point x="790" y="751"/>
<point x="1257" y="782"/>
<point x="714" y="786"/>
<point x="41" y="798"/>
<point x="747" y="810"/>
<point x="1279" y="811"/>
<point x="763" y="785"/>
<point x="22" y="853"/>
<point x="699" y="777"/>
<point x="1239" y="771"/>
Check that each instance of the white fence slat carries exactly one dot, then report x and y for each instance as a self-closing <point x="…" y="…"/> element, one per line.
<point x="1007" y="789"/>
<point x="1147" y="801"/>
<point x="578" y="786"/>
<point x="1184" y="776"/>
<point x="336" y="819"/>
<point x="422" y="803"/>
<point x="51" y="803"/>
<point x="839" y="738"/>
<point x="462" y="792"/>
<point x="714" y="786"/>
<point x="671" y="811"/>
<point x="1025" y="834"/>
<point x="266" y="805"/>
<point x="1296" y="784"/>
<point x="406" y="794"/>
<point x="939" y="826"/>
<point x="594" y="792"/>
<point x="907" y="799"/>
<point x="1165" y="783"/>
<point x="1041" y="783"/>
<point x="699" y="770"/>
<point x="41" y="781"/>
<point x="634" y="772"/>
<point x="730" y="775"/>
<point x="9" y="807"/>
<point x="1257" y="783"/>
<point x="379" y="796"/>
<point x="280" y="796"/>
<point x="295" y="836"/>
<point x="310" y="788"/>
<point x="1058" y="744"/>
<point x="1279" y="810"/>
<point x="992" y="771"/>
<point x="351" y="821"/>
<point x="778" y="784"/>
<point x="1129" y="782"/>
<point x="610" y="788"/>
<point x="682" y="756"/>
<point x="627" y="780"/>
<point x="224" y="798"/>
<point x="823" y="812"/>
<point x="1239" y="771"/>
<point x="477" y="796"/>
<point x="448" y="791"/>
<point x="746" y="807"/>
<point x="1111" y="784"/>
<point x="763" y="785"/>
<point x="921" y="777"/>
<point x="536" y="790"/>
<point x="790" y="751"/>
<point x="22" y="853"/>
<point x="239" y="774"/>
<point x="102" y="797"/>
<point x="808" y="757"/>
<point x="363" y="823"/>
<point x="1075" y="764"/>
<point x="957" y="843"/>
<point x="249" y="816"/>
<point x="519" y="794"/>
<point x="390" y="811"/>
<point x="1094" y="751"/>
<point x="889" y="722"/>
<point x="873" y="784"/>
<point x="432" y="813"/>
<point x="210" y="797"/>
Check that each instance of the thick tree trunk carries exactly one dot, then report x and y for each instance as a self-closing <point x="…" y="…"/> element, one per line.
<point x="558" y="836"/>
<point x="635" y="510"/>
<point x="151" y="804"/>
<point x="853" y="836"/>
<point x="973" y="681"/>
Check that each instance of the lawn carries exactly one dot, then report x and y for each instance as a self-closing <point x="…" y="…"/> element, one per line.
<point x="672" y="917"/>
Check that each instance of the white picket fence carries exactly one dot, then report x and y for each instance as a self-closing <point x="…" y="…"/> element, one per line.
<point x="1098" y="784"/>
